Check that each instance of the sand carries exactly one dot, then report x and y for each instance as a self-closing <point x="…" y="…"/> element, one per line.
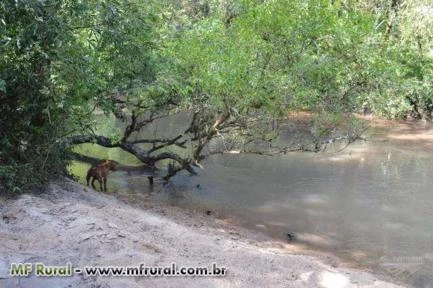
<point x="70" y="223"/>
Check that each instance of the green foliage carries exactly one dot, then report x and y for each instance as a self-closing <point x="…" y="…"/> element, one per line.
<point x="313" y="55"/>
<point x="63" y="60"/>
<point x="278" y="55"/>
<point x="33" y="34"/>
<point x="399" y="65"/>
<point x="60" y="60"/>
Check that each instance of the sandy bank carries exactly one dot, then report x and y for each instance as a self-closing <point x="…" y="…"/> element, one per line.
<point x="74" y="224"/>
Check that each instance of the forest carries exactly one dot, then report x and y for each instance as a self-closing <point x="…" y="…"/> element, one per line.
<point x="235" y="68"/>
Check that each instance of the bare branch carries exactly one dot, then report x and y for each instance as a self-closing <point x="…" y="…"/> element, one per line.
<point x="137" y="124"/>
<point x="84" y="158"/>
<point x="137" y="151"/>
<point x="169" y="143"/>
<point x="100" y="140"/>
<point x="131" y="127"/>
<point x="203" y="140"/>
<point x="156" y="141"/>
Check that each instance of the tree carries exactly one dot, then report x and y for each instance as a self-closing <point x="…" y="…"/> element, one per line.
<point x="33" y="39"/>
<point x="54" y="72"/>
<point x="235" y="68"/>
<point x="233" y="79"/>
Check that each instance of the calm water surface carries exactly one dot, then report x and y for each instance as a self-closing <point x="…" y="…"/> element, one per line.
<point x="371" y="203"/>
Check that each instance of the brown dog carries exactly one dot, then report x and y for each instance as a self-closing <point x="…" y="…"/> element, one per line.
<point x="99" y="172"/>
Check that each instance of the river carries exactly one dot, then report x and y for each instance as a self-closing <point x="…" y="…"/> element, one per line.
<point x="370" y="204"/>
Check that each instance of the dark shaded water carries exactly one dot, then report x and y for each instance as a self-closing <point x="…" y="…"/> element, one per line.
<point x="371" y="203"/>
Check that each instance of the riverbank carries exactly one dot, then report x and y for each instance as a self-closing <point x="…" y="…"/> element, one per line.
<point x="72" y="224"/>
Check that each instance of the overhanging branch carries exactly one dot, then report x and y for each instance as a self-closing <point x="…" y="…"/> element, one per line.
<point x="97" y="139"/>
<point x="138" y="152"/>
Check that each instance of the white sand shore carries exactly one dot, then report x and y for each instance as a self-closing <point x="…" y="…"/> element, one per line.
<point x="74" y="224"/>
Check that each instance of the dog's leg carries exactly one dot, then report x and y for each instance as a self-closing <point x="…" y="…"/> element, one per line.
<point x="100" y="183"/>
<point x="88" y="178"/>
<point x="93" y="183"/>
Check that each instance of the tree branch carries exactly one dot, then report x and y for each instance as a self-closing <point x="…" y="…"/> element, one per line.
<point x="136" y="124"/>
<point x="156" y="141"/>
<point x="137" y="151"/>
<point x="169" y="142"/>
<point x="100" y="140"/>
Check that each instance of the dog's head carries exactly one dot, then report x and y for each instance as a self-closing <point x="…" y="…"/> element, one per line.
<point x="110" y="164"/>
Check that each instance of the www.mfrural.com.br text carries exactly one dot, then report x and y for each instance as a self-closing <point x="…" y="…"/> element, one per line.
<point x="140" y="270"/>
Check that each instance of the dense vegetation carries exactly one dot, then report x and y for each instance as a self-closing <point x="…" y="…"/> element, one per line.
<point x="233" y="66"/>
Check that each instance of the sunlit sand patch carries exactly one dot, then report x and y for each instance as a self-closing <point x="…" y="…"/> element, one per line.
<point x="413" y="136"/>
<point x="377" y="122"/>
<point x="333" y="280"/>
<point x="225" y="221"/>
<point x="305" y="277"/>
<point x="410" y="132"/>
<point x="405" y="130"/>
